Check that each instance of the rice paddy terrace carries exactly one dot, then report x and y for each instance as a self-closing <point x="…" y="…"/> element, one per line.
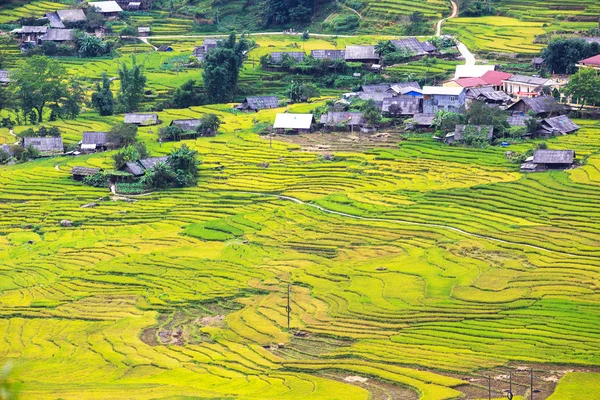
<point x="420" y="267"/>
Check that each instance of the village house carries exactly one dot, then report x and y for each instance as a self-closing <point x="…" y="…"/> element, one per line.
<point x="200" y="51"/>
<point x="66" y="18"/>
<point x="411" y="88"/>
<point x="403" y="106"/>
<point x="525" y="86"/>
<point x="495" y="78"/>
<point x="459" y="133"/>
<point x="164" y="48"/>
<point x="144" y="31"/>
<point x="421" y="121"/>
<point x="94" y="141"/>
<point x="257" y="103"/>
<point x="591" y="62"/>
<point x="138" y="168"/>
<point x="438" y="98"/>
<point x="59" y="36"/>
<point x="328" y="54"/>
<point x="29" y="35"/>
<point x="488" y="95"/>
<point x="4" y="79"/>
<point x="188" y="125"/>
<point x="537" y="62"/>
<point x="136" y="5"/>
<point x="542" y="106"/>
<point x="413" y="47"/>
<point x="543" y="160"/>
<point x="490" y="78"/>
<point x="518" y="120"/>
<point x="108" y="9"/>
<point x="559" y="125"/>
<point x="141" y="119"/>
<point x="472" y="71"/>
<point x="277" y="56"/>
<point x="49" y="145"/>
<point x="293" y="123"/>
<point x="375" y="88"/>
<point x="342" y="120"/>
<point x="364" y="54"/>
<point x="80" y="173"/>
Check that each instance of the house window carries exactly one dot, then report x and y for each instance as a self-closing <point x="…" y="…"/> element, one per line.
<point x="452" y="98"/>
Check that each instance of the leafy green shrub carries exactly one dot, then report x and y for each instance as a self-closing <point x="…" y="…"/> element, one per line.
<point x="99" y="179"/>
<point x="130" y="187"/>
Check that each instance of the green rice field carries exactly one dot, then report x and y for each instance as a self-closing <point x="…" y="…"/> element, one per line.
<point x="418" y="267"/>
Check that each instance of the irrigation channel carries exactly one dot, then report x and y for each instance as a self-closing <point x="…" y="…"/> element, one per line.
<point x="430" y="225"/>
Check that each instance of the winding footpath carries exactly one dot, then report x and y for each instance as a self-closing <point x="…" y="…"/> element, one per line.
<point x="425" y="224"/>
<point x="464" y="51"/>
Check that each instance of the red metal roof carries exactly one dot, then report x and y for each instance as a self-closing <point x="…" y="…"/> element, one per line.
<point x="495" y="78"/>
<point x="470" y="82"/>
<point x="591" y="61"/>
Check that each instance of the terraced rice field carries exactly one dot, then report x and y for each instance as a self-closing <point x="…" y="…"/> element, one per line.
<point x="15" y="11"/>
<point x="549" y="10"/>
<point x="416" y="267"/>
<point x="396" y="8"/>
<point x="496" y="34"/>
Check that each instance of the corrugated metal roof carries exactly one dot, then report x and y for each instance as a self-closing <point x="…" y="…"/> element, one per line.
<point x="106" y="6"/>
<point x="55" y="21"/>
<point x="342" y="118"/>
<point x="45" y="144"/>
<point x="97" y="138"/>
<point x="187" y="124"/>
<point x="528" y="80"/>
<point x="359" y="53"/>
<point x="561" y="124"/>
<point x="277" y="56"/>
<point x="472" y="71"/>
<point x="4" y="76"/>
<point x="149" y="163"/>
<point x="84" y="171"/>
<point x="328" y="54"/>
<point x="413" y="46"/>
<point x="134" y="168"/>
<point x="553" y="156"/>
<point x="293" y="121"/>
<point x="495" y="78"/>
<point x="440" y="90"/>
<point x="260" y="102"/>
<point x="73" y="15"/>
<point x="141" y="119"/>
<point x="540" y="104"/>
<point x="401" y="105"/>
<point x="59" y="35"/>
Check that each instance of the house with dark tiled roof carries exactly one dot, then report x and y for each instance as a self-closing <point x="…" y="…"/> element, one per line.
<point x="543" y="160"/>
<point x="525" y="86"/>
<point x="559" y="125"/>
<point x="328" y="54"/>
<point x="413" y="47"/>
<point x="364" y="54"/>
<point x="139" y="167"/>
<point x="256" y="103"/>
<point x="542" y="106"/>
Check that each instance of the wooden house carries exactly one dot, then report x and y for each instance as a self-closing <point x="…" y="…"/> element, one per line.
<point x="188" y="125"/>
<point x="293" y="123"/>
<point x="136" y="5"/>
<point x="4" y="79"/>
<point x="144" y="31"/>
<point x="29" y="34"/>
<point x="328" y="54"/>
<point x="459" y="132"/>
<point x="413" y="47"/>
<point x="79" y="173"/>
<point x="141" y="119"/>
<point x="94" y="141"/>
<point x="108" y="9"/>
<point x="488" y="95"/>
<point x="59" y="36"/>
<point x="139" y="167"/>
<point x="364" y="54"/>
<point x="61" y="19"/>
<point x="559" y="125"/>
<point x="549" y="159"/>
<point x="48" y="145"/>
<point x="257" y="103"/>
<point x="164" y="48"/>
<point x="200" y="51"/>
<point x="277" y="56"/>
<point x="537" y="62"/>
<point x="542" y="106"/>
<point x="421" y="121"/>
<point x="411" y="88"/>
<point x="342" y="120"/>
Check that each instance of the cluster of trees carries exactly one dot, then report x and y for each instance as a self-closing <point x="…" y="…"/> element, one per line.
<point x="222" y="68"/>
<point x="209" y="126"/>
<point x="560" y="56"/>
<point x="281" y="12"/>
<point x="310" y="65"/>
<point x="43" y="131"/>
<point x="584" y="87"/>
<point x="417" y="25"/>
<point x="42" y="82"/>
<point x="475" y="8"/>
<point x="299" y="91"/>
<point x="179" y="170"/>
<point x="131" y="91"/>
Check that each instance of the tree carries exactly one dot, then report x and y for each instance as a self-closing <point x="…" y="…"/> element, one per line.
<point x="122" y="135"/>
<point x="102" y="98"/>
<point x="371" y="113"/>
<point x="161" y="176"/>
<point x="222" y="67"/>
<point x="209" y="125"/>
<point x="90" y="45"/>
<point x="39" y="81"/>
<point x="187" y="95"/>
<point x="417" y="24"/>
<point x="384" y="47"/>
<point x="132" y="152"/>
<point x="171" y="132"/>
<point x="480" y="113"/>
<point x="184" y="159"/>
<point x="584" y="86"/>
<point x="71" y="106"/>
<point x="6" y="98"/>
<point x="447" y="120"/>
<point x="95" y="19"/>
<point x="561" y="55"/>
<point x="302" y="91"/>
<point x="133" y="82"/>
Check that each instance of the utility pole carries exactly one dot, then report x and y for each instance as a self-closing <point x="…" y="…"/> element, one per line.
<point x="489" y="388"/>
<point x="531" y="383"/>
<point x="289" y="309"/>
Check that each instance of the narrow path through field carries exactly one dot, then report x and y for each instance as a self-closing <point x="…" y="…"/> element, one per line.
<point x="464" y="51"/>
<point x="438" y="29"/>
<point x="430" y="225"/>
